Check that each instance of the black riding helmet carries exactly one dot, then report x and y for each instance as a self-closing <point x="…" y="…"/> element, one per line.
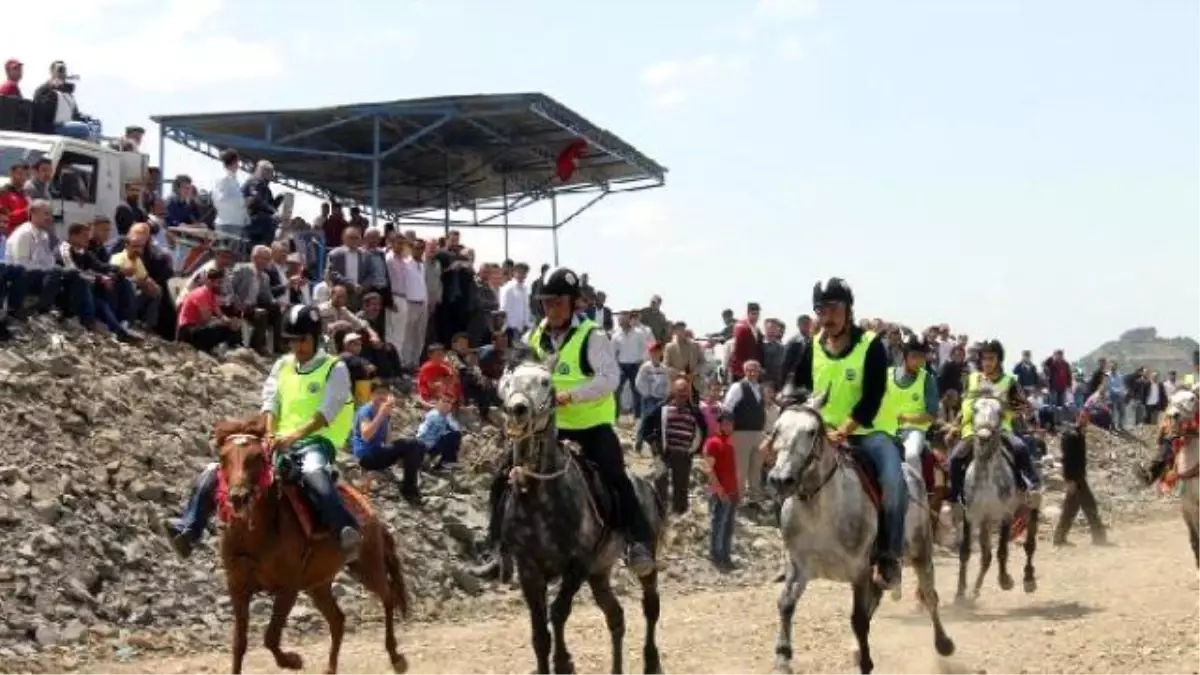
<point x="560" y="281"/>
<point x="302" y="321"/>
<point x="834" y="290"/>
<point x="993" y="346"/>
<point x="914" y="344"/>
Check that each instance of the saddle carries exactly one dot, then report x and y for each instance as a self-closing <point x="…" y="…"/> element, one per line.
<point x="313" y="530"/>
<point x="866" y="473"/>
<point x="601" y="498"/>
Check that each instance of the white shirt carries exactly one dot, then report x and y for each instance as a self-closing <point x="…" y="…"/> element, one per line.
<point x="64" y="111"/>
<point x="514" y="302"/>
<point x="228" y="201"/>
<point x="29" y="247"/>
<point x="1152" y="395"/>
<point x="352" y="266"/>
<point x="734" y="395"/>
<point x="395" y="272"/>
<point x="632" y="346"/>
<point x="415" y="289"/>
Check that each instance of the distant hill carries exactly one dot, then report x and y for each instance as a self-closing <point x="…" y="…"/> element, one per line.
<point x="1143" y="347"/>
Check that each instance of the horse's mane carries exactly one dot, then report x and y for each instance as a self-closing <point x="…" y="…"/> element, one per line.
<point x="254" y="425"/>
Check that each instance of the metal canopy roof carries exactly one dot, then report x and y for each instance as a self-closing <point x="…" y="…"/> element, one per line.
<point x="402" y="158"/>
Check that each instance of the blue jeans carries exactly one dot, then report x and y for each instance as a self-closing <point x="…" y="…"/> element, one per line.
<point x="45" y="282"/>
<point x="649" y="403"/>
<point x="103" y="311"/>
<point x="81" y="130"/>
<point x="1118" y="410"/>
<point x="200" y="505"/>
<point x="720" y="528"/>
<point x="884" y="455"/>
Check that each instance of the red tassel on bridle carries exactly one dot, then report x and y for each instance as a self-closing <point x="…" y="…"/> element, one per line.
<point x="225" y="511"/>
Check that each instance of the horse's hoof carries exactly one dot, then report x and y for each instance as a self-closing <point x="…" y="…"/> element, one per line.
<point x="1006" y="582"/>
<point x="565" y="668"/>
<point x="783" y="668"/>
<point x="289" y="661"/>
<point x="897" y="593"/>
<point x="399" y="664"/>
<point x="960" y="599"/>
<point x="1030" y="585"/>
<point x="944" y="645"/>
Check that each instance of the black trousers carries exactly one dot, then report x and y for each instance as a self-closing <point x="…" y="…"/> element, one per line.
<point x="676" y="480"/>
<point x="406" y="452"/>
<point x="1079" y="498"/>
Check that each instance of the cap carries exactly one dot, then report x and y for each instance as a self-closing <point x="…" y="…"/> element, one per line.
<point x="351" y="337"/>
<point x="12" y="63"/>
<point x="654" y="345"/>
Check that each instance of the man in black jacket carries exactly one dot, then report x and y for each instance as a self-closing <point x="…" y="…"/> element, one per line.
<point x="1079" y="495"/>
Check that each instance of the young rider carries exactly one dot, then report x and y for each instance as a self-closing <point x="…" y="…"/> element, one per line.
<point x="912" y="400"/>
<point x="309" y="413"/>
<point x="849" y="366"/>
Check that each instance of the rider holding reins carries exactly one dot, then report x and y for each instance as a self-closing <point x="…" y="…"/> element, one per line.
<point x="309" y="414"/>
<point x="912" y="400"/>
<point x="585" y="376"/>
<point x="1001" y="385"/>
<point x="849" y="366"/>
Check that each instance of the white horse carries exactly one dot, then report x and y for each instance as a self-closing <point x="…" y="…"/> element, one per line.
<point x="829" y="524"/>
<point x="1182" y="410"/>
<point x="991" y="500"/>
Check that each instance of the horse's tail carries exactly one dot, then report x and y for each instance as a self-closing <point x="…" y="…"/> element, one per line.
<point x="391" y="560"/>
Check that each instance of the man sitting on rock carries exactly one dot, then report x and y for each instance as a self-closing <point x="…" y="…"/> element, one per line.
<point x="371" y="447"/>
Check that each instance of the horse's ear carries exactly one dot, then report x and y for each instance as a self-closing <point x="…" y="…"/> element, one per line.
<point x="224" y="429"/>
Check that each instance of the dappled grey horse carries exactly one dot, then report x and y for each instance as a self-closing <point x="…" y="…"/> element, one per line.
<point x="829" y="524"/>
<point x="553" y="525"/>
<point x="991" y="500"/>
<point x="1182" y="410"/>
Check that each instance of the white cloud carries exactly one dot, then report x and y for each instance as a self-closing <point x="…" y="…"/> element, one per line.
<point x="785" y="9"/>
<point x="791" y="49"/>
<point x="672" y="82"/>
<point x="93" y="38"/>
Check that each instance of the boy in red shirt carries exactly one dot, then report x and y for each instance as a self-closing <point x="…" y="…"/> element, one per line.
<point x="436" y="376"/>
<point x="720" y="463"/>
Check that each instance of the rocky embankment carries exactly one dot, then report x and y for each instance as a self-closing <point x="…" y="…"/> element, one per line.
<point x="103" y="440"/>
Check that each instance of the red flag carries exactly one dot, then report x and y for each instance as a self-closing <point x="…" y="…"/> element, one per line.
<point x="568" y="159"/>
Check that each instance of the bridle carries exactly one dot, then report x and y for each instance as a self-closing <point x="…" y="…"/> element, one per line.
<point x="265" y="480"/>
<point x="815" y="453"/>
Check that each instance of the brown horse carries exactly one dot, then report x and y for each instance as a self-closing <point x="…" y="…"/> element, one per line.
<point x="269" y="545"/>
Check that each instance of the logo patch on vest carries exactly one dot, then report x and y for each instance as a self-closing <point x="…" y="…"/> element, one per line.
<point x="313" y="387"/>
<point x="914" y="397"/>
<point x="563" y="368"/>
<point x="851" y="374"/>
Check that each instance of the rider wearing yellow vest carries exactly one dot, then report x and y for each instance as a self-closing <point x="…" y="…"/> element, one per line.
<point x="585" y="377"/>
<point x="309" y="413"/>
<point x="849" y="367"/>
<point x="912" y="400"/>
<point x="993" y="377"/>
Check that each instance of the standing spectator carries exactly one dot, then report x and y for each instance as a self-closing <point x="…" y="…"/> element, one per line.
<point x="1172" y="384"/>
<point x="458" y="285"/>
<point x="1136" y="390"/>
<point x="720" y="463"/>
<point x="351" y="266"/>
<point x="650" y="384"/>
<point x="261" y="205"/>
<point x="334" y="225"/>
<point x="250" y="299"/>
<point x="484" y="305"/>
<point x="357" y="219"/>
<point x="1025" y="372"/>
<point x="1079" y="494"/>
<point x="631" y="347"/>
<point x="370" y="446"/>
<point x="1117" y="395"/>
<point x="600" y="313"/>
<point x="773" y="353"/>
<point x="953" y="372"/>
<point x="426" y="252"/>
<point x="14" y="70"/>
<point x="418" y="297"/>
<point x="12" y="197"/>
<point x="29" y="248"/>
<point x="746" y="401"/>
<point x="441" y="433"/>
<point x="514" y="300"/>
<point x="655" y="320"/>
<point x="795" y="345"/>
<point x="535" y="289"/>
<point x="181" y="206"/>
<point x="684" y="358"/>
<point x="38" y="185"/>
<point x="397" y="313"/>
<point x="1058" y="380"/>
<point x="201" y="323"/>
<point x="676" y="430"/>
<point x="1098" y="376"/>
<point x="1155" y="400"/>
<point x="130" y="211"/>
<point x="227" y="198"/>
<point x="710" y="406"/>
<point x="747" y="343"/>
<point x="727" y="323"/>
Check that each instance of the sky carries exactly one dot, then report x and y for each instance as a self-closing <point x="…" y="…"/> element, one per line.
<point x="1020" y="169"/>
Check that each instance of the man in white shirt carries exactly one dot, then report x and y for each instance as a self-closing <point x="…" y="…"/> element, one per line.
<point x="416" y="319"/>
<point x="30" y="249"/>
<point x="397" y="313"/>
<point x="514" y="301"/>
<point x="227" y="197"/>
<point x="632" y="347"/>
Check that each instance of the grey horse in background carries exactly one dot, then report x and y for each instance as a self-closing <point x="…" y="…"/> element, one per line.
<point x="553" y="525"/>
<point x="991" y="500"/>
<point x="829" y="524"/>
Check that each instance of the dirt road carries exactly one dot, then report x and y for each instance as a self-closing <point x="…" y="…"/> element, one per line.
<point x="1130" y="607"/>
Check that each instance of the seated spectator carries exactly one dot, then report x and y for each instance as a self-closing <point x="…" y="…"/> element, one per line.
<point x="38" y="185"/>
<point x="29" y="248"/>
<point x="97" y="281"/>
<point x="181" y="207"/>
<point x="277" y="272"/>
<point x="440" y="433"/>
<point x="201" y="323"/>
<point x="384" y="354"/>
<point x="436" y="376"/>
<point x="122" y="296"/>
<point x="12" y="197"/>
<point x="496" y="357"/>
<point x="368" y="442"/>
<point x="130" y="211"/>
<point x="55" y="110"/>
<point x="476" y="388"/>
<point x="335" y="315"/>
<point x="250" y="299"/>
<point x="10" y="275"/>
<point x="14" y="70"/>
<point x="147" y="294"/>
<point x="296" y="289"/>
<point x="362" y="373"/>
<point x="131" y="141"/>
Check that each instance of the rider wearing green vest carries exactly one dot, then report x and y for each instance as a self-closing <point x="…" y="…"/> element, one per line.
<point x="309" y="413"/>
<point x="912" y="400"/>
<point x="849" y="367"/>
<point x="1002" y="385"/>
<point x="585" y="377"/>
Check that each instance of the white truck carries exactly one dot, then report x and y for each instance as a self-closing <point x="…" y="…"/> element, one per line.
<point x="101" y="173"/>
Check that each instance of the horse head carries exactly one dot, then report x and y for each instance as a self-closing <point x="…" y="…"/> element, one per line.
<point x="245" y="465"/>
<point x="987" y="413"/>
<point x="797" y="440"/>
<point x="527" y="398"/>
<point x="1182" y="405"/>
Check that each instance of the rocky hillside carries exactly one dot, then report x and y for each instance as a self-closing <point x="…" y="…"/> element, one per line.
<point x="103" y="440"/>
<point x="1144" y="347"/>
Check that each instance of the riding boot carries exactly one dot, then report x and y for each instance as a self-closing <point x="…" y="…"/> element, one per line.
<point x="491" y="566"/>
<point x="1026" y="471"/>
<point x="641" y="544"/>
<point x="184" y="533"/>
<point x="958" y="475"/>
<point x="323" y="495"/>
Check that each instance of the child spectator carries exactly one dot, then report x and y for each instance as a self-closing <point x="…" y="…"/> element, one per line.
<point x="362" y="373"/>
<point x="440" y="433"/>
<point x="436" y="376"/>
<point x="711" y="406"/>
<point x="368" y="442"/>
<point x="720" y="463"/>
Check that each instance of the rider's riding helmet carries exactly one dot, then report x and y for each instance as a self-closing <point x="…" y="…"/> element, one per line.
<point x="561" y="281"/>
<point x="992" y="346"/>
<point x="302" y="321"/>
<point x="834" y="290"/>
<point x="915" y="344"/>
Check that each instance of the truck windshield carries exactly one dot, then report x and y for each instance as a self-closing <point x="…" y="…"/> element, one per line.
<point x="26" y="152"/>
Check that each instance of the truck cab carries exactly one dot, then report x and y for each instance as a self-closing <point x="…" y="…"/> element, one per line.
<point x="89" y="178"/>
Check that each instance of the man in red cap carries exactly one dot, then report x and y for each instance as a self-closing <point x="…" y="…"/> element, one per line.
<point x="13" y="71"/>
